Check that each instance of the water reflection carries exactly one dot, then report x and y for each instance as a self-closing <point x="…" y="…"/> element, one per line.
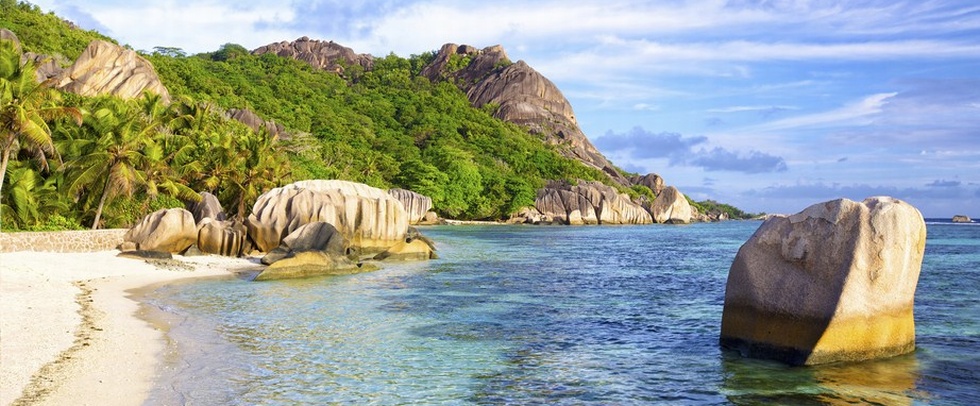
<point x="889" y="381"/>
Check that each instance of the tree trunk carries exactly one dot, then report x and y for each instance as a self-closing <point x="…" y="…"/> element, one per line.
<point x="105" y="194"/>
<point x="3" y="175"/>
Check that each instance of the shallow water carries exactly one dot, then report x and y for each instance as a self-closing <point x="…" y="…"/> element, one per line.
<point x="546" y="315"/>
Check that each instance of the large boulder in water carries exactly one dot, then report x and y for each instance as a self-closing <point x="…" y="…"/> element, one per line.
<point x="671" y="206"/>
<point x="588" y="203"/>
<point x="834" y="282"/>
<point x="415" y="247"/>
<point x="369" y="218"/>
<point x="167" y="230"/>
<point x="417" y="205"/>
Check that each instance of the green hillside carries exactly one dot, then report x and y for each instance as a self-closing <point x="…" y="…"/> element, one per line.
<point x="43" y="33"/>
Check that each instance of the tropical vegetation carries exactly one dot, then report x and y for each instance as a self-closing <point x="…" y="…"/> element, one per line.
<point x="106" y="162"/>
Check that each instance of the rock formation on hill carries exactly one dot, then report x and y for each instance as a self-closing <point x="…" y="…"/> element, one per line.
<point x="7" y="35"/>
<point x="651" y="180"/>
<point x="47" y="66"/>
<point x="588" y="203"/>
<point x="523" y="96"/>
<point x="835" y="282"/>
<point x="368" y="217"/>
<point x="106" y="68"/>
<point x="256" y="123"/>
<point x="325" y="55"/>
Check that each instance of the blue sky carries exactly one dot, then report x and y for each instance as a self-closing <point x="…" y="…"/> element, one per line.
<point x="770" y="105"/>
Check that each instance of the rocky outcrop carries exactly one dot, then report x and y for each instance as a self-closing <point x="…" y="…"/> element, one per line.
<point x="651" y="180"/>
<point x="46" y="66"/>
<point x="256" y="123"/>
<point x="369" y="218"/>
<point x="671" y="206"/>
<point x="106" y="68"/>
<point x="415" y="204"/>
<point x="324" y="55"/>
<point x="588" y="203"/>
<point x="167" y="230"/>
<point x="7" y="35"/>
<point x="228" y="238"/>
<point x="959" y="218"/>
<point x="523" y="96"/>
<point x="208" y="207"/>
<point x="315" y="236"/>
<point x="835" y="282"/>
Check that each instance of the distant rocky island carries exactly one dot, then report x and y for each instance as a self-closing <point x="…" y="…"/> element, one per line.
<point x="959" y="218"/>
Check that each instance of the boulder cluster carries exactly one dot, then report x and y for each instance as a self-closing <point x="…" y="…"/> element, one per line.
<point x="590" y="202"/>
<point x="306" y="228"/>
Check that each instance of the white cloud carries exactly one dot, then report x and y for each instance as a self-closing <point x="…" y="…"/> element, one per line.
<point x="740" y="109"/>
<point x="861" y="112"/>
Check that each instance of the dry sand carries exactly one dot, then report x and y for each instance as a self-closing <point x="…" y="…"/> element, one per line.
<point x="70" y="332"/>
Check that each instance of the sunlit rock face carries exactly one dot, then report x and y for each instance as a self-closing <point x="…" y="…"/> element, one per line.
<point x="165" y="230"/>
<point x="835" y="282"/>
<point x="222" y="237"/>
<point x="325" y="55"/>
<point x="671" y="206"/>
<point x="523" y="96"/>
<point x="107" y="68"/>
<point x="417" y="205"/>
<point x="368" y="217"/>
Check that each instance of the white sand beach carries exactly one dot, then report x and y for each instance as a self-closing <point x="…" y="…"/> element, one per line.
<point x="70" y="333"/>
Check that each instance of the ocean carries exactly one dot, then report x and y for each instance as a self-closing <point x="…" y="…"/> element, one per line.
<point x="604" y="315"/>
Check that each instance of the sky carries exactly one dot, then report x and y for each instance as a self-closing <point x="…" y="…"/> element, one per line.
<point x="768" y="105"/>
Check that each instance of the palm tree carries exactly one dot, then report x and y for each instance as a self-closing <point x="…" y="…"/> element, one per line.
<point x="167" y="156"/>
<point x="260" y="167"/>
<point x="112" y="153"/>
<point x="26" y="106"/>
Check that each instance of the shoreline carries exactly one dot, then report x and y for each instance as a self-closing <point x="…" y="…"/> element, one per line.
<point x="72" y="328"/>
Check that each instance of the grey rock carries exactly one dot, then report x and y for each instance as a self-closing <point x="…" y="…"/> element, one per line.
<point x="835" y="282"/>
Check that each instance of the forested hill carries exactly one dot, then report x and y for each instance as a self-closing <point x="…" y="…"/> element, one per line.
<point x="387" y="126"/>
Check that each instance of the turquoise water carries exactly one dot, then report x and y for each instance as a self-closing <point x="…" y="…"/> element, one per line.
<point x="546" y="315"/>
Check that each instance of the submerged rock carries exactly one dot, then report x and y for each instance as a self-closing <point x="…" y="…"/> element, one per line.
<point x="312" y="263"/>
<point x="835" y="282"/>
<point x="416" y="247"/>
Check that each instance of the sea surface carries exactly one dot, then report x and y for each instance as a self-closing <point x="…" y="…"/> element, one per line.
<point x="605" y="315"/>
